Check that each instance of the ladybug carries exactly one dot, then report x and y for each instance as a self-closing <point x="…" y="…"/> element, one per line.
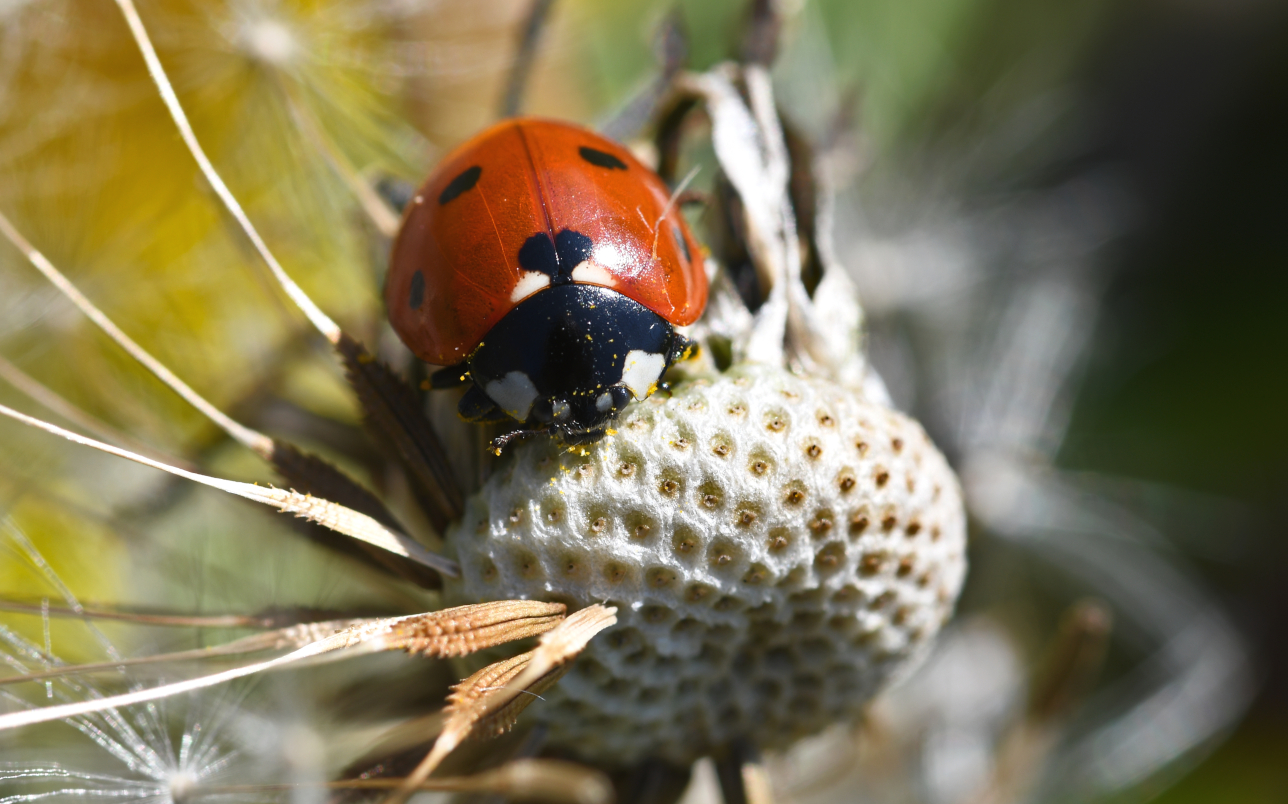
<point x="547" y="269"/>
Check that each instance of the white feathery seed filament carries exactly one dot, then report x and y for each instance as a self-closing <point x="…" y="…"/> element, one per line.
<point x="329" y="329"/>
<point x="256" y="441"/>
<point x="324" y="512"/>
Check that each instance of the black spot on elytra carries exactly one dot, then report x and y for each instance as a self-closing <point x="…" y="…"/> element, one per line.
<point x="417" y="295"/>
<point x="466" y="181"/>
<point x="556" y="259"/>
<point x="601" y="159"/>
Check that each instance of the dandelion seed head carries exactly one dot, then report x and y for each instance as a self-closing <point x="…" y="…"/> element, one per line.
<point x="762" y="605"/>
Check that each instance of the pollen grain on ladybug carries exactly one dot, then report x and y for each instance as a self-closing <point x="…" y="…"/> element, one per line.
<point x="767" y="583"/>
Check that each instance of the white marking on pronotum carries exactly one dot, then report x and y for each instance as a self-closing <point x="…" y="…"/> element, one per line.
<point x="514" y="394"/>
<point x="593" y="273"/>
<point x="641" y="372"/>
<point x="529" y="283"/>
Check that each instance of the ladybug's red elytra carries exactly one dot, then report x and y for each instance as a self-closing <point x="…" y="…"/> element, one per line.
<point x="546" y="268"/>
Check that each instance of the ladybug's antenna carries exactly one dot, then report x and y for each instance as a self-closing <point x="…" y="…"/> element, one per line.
<point x="498" y="444"/>
<point x="670" y="204"/>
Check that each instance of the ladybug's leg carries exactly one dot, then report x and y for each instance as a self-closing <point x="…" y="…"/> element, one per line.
<point x="396" y="192"/>
<point x="682" y="348"/>
<point x="450" y="377"/>
<point x="476" y="407"/>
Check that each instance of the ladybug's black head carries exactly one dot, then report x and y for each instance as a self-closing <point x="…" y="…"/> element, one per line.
<point x="569" y="358"/>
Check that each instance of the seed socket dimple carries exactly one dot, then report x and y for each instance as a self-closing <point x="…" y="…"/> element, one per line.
<point x="656" y="614"/>
<point x="757" y="573"/>
<point x="627" y="469"/>
<point x="871" y="563"/>
<point x="821" y="523"/>
<point x="528" y="566"/>
<point x="882" y="600"/>
<point x="728" y="603"/>
<point x="710" y="495"/>
<point x="571" y="567"/>
<point x="831" y="557"/>
<point x="795" y="495"/>
<point x="722" y="554"/>
<point x="881" y="476"/>
<point x="660" y="577"/>
<point x="684" y="541"/>
<point x="846" y="594"/>
<point x="696" y="592"/>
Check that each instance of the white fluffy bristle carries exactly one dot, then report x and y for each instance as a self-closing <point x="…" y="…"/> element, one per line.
<point x="777" y="548"/>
